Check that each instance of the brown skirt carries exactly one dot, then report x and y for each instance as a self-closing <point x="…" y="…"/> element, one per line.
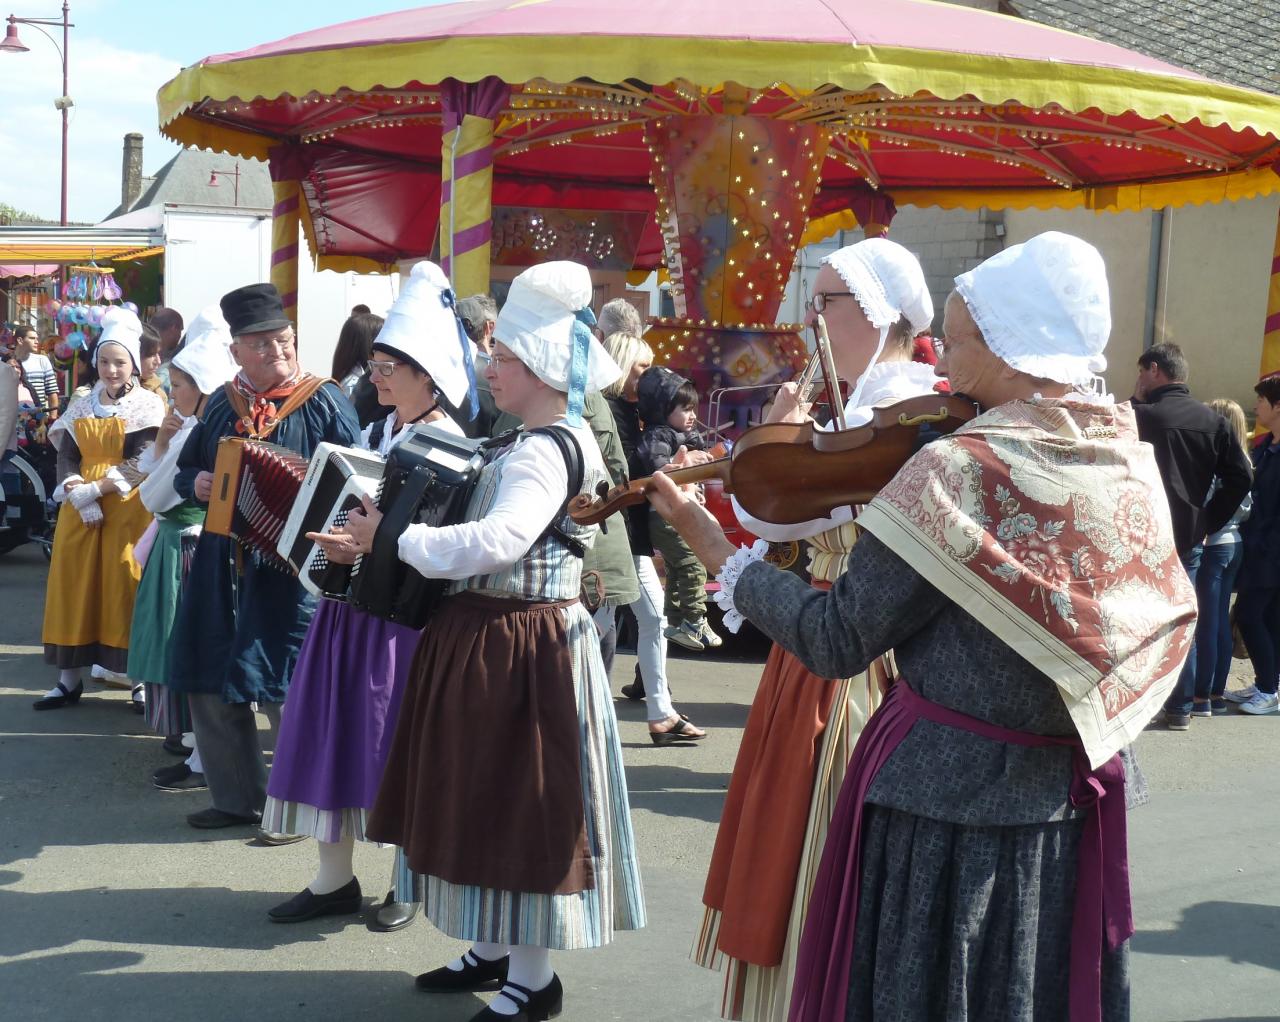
<point x="483" y="785"/>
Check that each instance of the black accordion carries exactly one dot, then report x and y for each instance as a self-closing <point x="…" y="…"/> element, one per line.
<point x="427" y="479"/>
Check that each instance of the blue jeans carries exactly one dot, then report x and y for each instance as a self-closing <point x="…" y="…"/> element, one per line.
<point x="1214" y="580"/>
<point x="1257" y="613"/>
<point x="1180" y="699"/>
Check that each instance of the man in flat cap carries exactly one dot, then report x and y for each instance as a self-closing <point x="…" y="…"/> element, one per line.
<point x="242" y="618"/>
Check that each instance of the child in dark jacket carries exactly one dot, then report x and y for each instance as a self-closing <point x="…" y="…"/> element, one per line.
<point x="667" y="404"/>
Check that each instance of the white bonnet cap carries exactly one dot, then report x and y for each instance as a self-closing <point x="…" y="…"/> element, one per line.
<point x="122" y="327"/>
<point x="886" y="280"/>
<point x="1044" y="307"/>
<point x="546" y="322"/>
<point x="205" y="355"/>
<point x="423" y="328"/>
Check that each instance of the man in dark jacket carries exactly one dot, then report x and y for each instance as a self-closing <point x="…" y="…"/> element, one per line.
<point x="1193" y="447"/>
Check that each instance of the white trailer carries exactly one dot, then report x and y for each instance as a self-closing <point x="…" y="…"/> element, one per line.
<point x="210" y="250"/>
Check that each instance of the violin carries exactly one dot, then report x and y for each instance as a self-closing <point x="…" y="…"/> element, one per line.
<point x="791" y="472"/>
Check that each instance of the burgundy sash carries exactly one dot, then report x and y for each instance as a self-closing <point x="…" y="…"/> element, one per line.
<point x="1102" y="902"/>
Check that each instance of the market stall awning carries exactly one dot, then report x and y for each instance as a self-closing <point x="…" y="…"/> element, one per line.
<point x="76" y="244"/>
<point x="27" y="269"/>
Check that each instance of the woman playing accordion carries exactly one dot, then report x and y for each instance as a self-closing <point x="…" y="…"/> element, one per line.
<point x="504" y="785"/>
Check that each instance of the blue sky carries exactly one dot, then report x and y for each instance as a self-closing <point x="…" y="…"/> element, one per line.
<point x="122" y="51"/>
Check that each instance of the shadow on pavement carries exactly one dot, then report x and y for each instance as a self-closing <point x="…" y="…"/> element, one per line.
<point x="677" y="791"/>
<point x="1241" y="932"/>
<point x="708" y="715"/>
<point x="88" y="986"/>
<point x="207" y="917"/>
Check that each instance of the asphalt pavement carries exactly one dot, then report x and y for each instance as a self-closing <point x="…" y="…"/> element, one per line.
<point x="112" y="908"/>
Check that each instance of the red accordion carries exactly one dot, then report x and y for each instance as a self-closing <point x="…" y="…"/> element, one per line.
<point x="255" y="485"/>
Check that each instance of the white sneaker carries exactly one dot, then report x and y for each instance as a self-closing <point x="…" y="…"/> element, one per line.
<point x="1261" y="703"/>
<point x="1241" y="695"/>
<point x="686" y="635"/>
<point x="708" y="635"/>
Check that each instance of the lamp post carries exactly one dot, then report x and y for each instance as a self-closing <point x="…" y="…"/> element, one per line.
<point x="12" y="44"/>
<point x="234" y="175"/>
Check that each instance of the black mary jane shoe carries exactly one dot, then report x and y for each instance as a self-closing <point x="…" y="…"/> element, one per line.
<point x="476" y="974"/>
<point x="391" y="915"/>
<point x="62" y="698"/>
<point x="174" y="747"/>
<point x="535" y="1005"/>
<point x="346" y="900"/>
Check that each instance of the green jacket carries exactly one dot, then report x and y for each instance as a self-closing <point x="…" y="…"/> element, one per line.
<point x="609" y="557"/>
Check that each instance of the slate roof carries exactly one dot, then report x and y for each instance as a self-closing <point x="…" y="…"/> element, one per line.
<point x="1234" y="41"/>
<point x="184" y="180"/>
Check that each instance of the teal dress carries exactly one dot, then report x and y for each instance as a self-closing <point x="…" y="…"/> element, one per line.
<point x="155" y="610"/>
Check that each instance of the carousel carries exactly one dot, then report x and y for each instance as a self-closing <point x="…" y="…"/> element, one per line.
<point x="707" y="141"/>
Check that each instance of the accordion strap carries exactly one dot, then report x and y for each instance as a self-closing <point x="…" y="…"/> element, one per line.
<point x="298" y="397"/>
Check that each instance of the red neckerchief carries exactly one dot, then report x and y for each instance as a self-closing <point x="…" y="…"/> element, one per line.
<point x="262" y="407"/>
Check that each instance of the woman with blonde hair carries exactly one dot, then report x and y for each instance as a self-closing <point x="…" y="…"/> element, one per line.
<point x="1219" y="565"/>
<point x="666" y="726"/>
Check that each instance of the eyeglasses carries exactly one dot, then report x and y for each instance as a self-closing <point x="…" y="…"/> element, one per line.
<point x="941" y="345"/>
<point x="501" y="360"/>
<point x="819" y="300"/>
<point x="282" y="341"/>
<point x="381" y="368"/>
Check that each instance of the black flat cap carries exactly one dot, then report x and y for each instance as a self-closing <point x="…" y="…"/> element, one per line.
<point x="253" y="309"/>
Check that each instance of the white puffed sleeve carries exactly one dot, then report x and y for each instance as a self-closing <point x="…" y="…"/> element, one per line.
<point x="534" y="483"/>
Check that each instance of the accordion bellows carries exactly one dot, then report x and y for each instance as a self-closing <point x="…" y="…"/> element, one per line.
<point x="255" y="485"/>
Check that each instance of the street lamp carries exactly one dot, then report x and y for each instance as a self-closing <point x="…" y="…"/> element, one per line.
<point x="12" y="44"/>
<point x="234" y="174"/>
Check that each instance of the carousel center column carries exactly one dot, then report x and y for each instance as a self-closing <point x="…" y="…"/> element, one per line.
<point x="733" y="195"/>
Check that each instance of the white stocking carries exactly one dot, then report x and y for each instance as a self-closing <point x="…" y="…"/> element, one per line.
<point x="193" y="762"/>
<point x="531" y="968"/>
<point x="69" y="679"/>
<point x="335" y="865"/>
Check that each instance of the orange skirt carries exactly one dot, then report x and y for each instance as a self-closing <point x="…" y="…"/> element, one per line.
<point x="752" y="878"/>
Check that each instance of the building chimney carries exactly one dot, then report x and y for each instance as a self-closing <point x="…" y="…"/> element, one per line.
<point x="131" y="172"/>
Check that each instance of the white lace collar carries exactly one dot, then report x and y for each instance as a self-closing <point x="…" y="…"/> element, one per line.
<point x="889" y="381"/>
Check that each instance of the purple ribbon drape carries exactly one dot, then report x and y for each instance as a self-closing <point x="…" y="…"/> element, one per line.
<point x="1102" y="903"/>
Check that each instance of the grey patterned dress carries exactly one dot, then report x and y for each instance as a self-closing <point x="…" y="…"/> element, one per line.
<point x="969" y="844"/>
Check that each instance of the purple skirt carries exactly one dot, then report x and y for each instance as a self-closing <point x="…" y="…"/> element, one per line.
<point x="340" y="714"/>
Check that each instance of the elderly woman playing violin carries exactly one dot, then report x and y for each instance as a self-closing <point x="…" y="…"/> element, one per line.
<point x="1024" y="572"/>
<point x="800" y="732"/>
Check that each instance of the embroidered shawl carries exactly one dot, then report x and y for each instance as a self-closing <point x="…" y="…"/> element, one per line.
<point x="139" y="408"/>
<point x="1047" y="521"/>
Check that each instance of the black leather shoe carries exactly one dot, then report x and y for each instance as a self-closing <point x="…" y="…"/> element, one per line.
<point x="174" y="747"/>
<point x="214" y="819"/>
<point x="178" y="777"/>
<point x="476" y="974"/>
<point x="391" y="915"/>
<point x="346" y="900"/>
<point x="536" y="1005"/>
<point x="62" y="698"/>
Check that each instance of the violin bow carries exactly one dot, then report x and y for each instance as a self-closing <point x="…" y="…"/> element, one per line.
<point x="829" y="372"/>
